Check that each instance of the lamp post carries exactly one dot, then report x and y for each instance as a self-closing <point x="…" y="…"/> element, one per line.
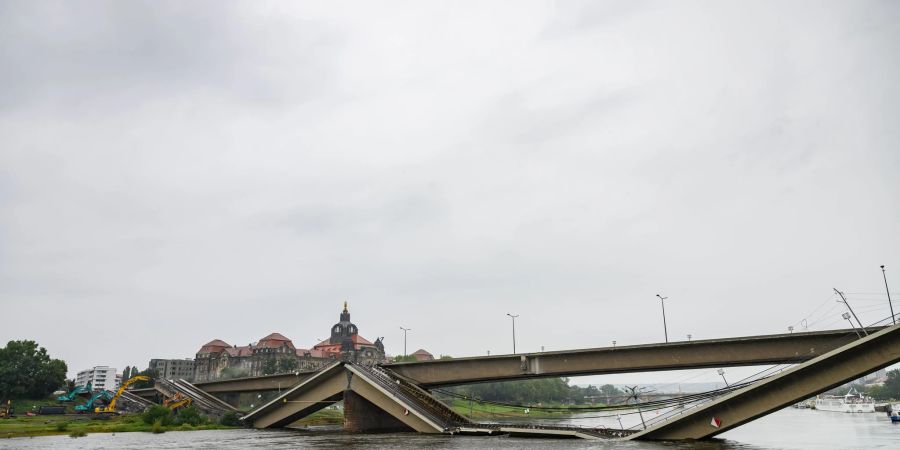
<point x="889" y="295"/>
<point x="614" y="343"/>
<point x="404" y="338"/>
<point x="513" y="316"/>
<point x="722" y="374"/>
<point x="844" y="301"/>
<point x="791" y="329"/>
<point x="846" y="315"/>
<point x="662" y="302"/>
<point x="689" y="338"/>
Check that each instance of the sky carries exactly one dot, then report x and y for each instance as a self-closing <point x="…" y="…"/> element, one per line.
<point x="177" y="172"/>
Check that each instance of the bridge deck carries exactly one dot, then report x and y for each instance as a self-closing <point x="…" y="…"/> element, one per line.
<point x="800" y="382"/>
<point x="742" y="351"/>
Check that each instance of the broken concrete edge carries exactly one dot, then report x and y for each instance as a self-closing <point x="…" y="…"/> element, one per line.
<point x="280" y="399"/>
<point x="408" y="407"/>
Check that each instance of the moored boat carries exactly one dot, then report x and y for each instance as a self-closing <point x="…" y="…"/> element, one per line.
<point x="852" y="402"/>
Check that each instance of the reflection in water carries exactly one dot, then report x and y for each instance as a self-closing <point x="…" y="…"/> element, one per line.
<point x="790" y="428"/>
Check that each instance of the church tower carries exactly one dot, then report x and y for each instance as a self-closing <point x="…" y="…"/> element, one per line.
<point x="344" y="329"/>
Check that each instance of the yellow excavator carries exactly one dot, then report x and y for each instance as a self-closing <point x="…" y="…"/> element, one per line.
<point x="176" y="401"/>
<point x="6" y="411"/>
<point x="111" y="407"/>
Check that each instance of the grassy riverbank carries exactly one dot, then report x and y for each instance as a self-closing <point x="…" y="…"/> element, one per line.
<point x="478" y="411"/>
<point x="75" y="425"/>
<point x="326" y="416"/>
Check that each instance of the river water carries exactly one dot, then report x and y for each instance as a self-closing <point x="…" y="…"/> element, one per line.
<point x="786" y="429"/>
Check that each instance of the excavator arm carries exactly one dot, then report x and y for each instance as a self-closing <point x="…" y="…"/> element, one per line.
<point x="111" y="407"/>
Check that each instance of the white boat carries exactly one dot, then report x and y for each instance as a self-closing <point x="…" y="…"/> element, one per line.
<point x="852" y="402"/>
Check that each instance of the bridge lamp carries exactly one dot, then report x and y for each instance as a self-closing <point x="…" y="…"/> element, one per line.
<point x="614" y="343"/>
<point x="662" y="302"/>
<point x="722" y="374"/>
<point x="513" y="316"/>
<point x="891" y="305"/>
<point x="689" y="338"/>
<point x="404" y="339"/>
<point x="791" y="329"/>
<point x="846" y="316"/>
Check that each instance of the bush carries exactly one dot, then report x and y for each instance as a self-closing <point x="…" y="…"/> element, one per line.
<point x="158" y="413"/>
<point x="62" y="426"/>
<point x="190" y="415"/>
<point x="230" y="419"/>
<point x="158" y="427"/>
<point x="78" y="434"/>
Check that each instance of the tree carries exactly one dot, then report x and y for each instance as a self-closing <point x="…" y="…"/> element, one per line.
<point x="144" y="384"/>
<point x="890" y="389"/>
<point x="126" y="373"/>
<point x="286" y="365"/>
<point x="27" y="371"/>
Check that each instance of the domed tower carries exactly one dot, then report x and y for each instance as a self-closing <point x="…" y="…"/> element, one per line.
<point x="344" y="330"/>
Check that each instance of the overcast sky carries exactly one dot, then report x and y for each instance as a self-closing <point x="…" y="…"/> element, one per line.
<point x="176" y="172"/>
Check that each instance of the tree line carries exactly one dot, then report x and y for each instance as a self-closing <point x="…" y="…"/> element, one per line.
<point x="544" y="390"/>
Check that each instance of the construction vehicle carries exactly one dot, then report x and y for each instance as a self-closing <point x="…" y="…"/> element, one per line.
<point x="71" y="395"/>
<point x="89" y="405"/>
<point x="6" y="411"/>
<point x="177" y="401"/>
<point x="110" y="408"/>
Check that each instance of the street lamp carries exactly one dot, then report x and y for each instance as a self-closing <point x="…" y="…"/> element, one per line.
<point x="846" y="316"/>
<point x="514" y="330"/>
<point x="889" y="295"/>
<point x="404" y="338"/>
<point x="722" y="374"/>
<point x="791" y="329"/>
<point x="689" y="338"/>
<point x="614" y="343"/>
<point x="662" y="302"/>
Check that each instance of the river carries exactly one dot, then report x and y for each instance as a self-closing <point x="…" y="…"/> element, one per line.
<point x="786" y="429"/>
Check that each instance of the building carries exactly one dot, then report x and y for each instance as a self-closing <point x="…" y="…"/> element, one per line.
<point x="100" y="378"/>
<point x="422" y="355"/>
<point x="276" y="353"/>
<point x="173" y="369"/>
<point x="271" y="354"/>
<point x="346" y="343"/>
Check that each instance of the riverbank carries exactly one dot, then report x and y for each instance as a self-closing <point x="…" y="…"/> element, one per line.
<point x="80" y="425"/>
<point x="479" y="411"/>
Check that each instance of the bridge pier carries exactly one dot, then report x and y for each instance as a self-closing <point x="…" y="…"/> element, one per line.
<point x="363" y="416"/>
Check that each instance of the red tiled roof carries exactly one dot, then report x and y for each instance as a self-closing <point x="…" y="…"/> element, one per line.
<point x="421" y="351"/>
<point x="275" y="337"/>
<point x="246" y="350"/>
<point x="275" y="340"/>
<point x="356" y="338"/>
<point x="315" y="353"/>
<point x="213" y="346"/>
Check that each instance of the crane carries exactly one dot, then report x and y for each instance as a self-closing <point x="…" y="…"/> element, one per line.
<point x="71" y="395"/>
<point x="106" y="395"/>
<point x="176" y="401"/>
<point x="111" y="407"/>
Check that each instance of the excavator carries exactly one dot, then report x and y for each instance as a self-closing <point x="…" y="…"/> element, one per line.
<point x="110" y="408"/>
<point x="6" y="411"/>
<point x="89" y="405"/>
<point x="177" y="401"/>
<point x="71" y="395"/>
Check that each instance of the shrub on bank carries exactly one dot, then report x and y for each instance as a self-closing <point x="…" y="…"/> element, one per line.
<point x="158" y="413"/>
<point x="230" y="419"/>
<point x="190" y="415"/>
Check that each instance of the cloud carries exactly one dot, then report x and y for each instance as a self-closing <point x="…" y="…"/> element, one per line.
<point x="244" y="168"/>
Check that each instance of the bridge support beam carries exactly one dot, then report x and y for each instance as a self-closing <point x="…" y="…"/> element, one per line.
<point x="820" y="374"/>
<point x="363" y="416"/>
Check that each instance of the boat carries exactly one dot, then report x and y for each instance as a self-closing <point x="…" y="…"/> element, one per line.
<point x="851" y="402"/>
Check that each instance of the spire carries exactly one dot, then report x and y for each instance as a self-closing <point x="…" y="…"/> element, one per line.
<point x="345" y="306"/>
